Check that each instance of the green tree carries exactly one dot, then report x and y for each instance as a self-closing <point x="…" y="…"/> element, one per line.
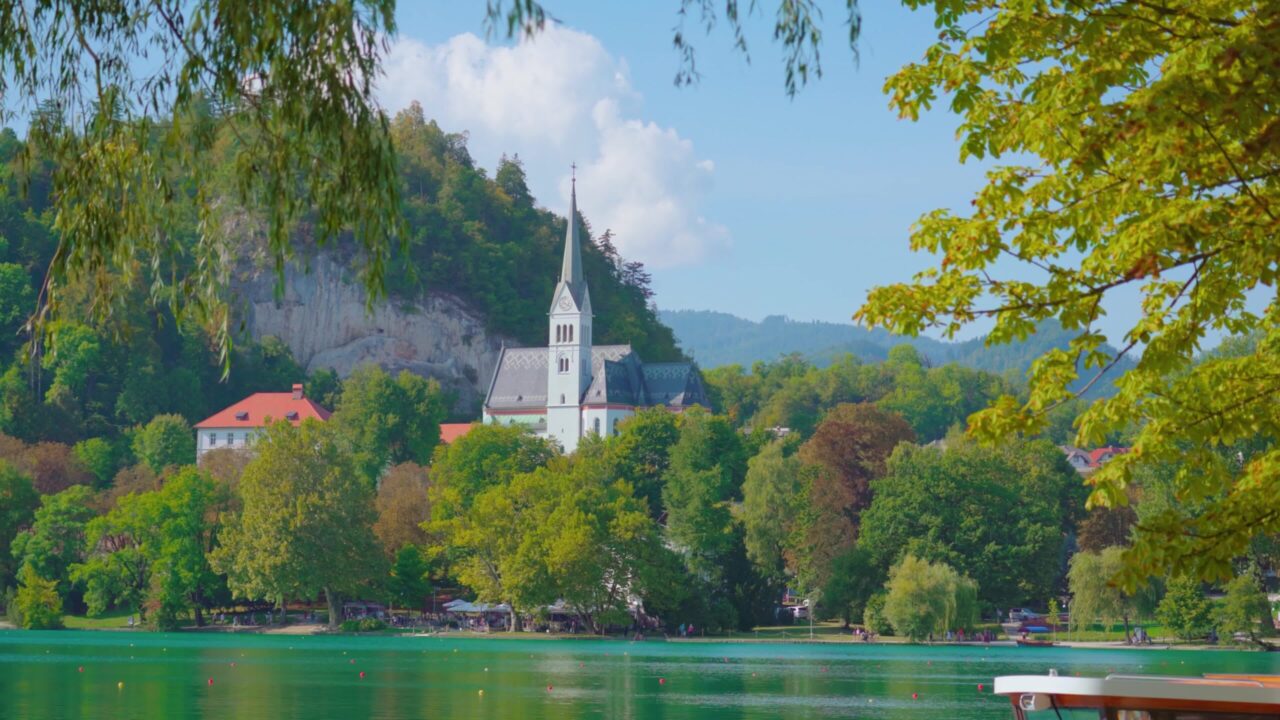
<point x="389" y="420"/>
<point x="487" y="456"/>
<point x="641" y="453"/>
<point x="409" y="583"/>
<point x="38" y="604"/>
<point x="17" y="300"/>
<point x="923" y="598"/>
<point x="304" y="528"/>
<point x="1002" y="514"/>
<point x="854" y="578"/>
<point x="1141" y="161"/>
<point x="150" y="552"/>
<point x="1094" y="597"/>
<point x="280" y="99"/>
<point x="774" y="499"/>
<point x="55" y="540"/>
<point x="1184" y="609"/>
<point x="18" y="503"/>
<point x="100" y="457"/>
<point x="1244" y="609"/>
<point x="166" y="441"/>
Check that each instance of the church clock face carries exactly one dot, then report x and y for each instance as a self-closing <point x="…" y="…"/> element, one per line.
<point x="566" y="302"/>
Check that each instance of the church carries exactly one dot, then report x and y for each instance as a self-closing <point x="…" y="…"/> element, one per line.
<point x="572" y="387"/>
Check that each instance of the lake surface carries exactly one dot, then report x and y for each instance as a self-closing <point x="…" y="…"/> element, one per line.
<point x="257" y="676"/>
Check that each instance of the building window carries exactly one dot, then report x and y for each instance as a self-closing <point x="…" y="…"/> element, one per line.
<point x="213" y="439"/>
<point x="615" y="426"/>
<point x="595" y="424"/>
<point x="561" y="398"/>
<point x="570" y="333"/>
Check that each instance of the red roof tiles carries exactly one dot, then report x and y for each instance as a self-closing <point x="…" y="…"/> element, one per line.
<point x="255" y="410"/>
<point x="452" y="431"/>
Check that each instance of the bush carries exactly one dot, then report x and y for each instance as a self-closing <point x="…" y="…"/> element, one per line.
<point x="873" y="617"/>
<point x="1185" y="610"/>
<point x="364" y="625"/>
<point x="1244" y="610"/>
<point x="37" y="604"/>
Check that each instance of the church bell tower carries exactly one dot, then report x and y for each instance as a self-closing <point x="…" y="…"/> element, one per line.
<point x="569" y="340"/>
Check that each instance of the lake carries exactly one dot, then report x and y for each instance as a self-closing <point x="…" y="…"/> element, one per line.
<point x="273" y="676"/>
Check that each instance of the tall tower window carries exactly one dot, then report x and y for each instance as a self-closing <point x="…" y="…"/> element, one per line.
<point x="557" y="333"/>
<point x="570" y="333"/>
<point x="596" y="425"/>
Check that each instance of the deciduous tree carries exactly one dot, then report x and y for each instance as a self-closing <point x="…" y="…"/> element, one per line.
<point x="305" y="526"/>
<point x="166" y="441"/>
<point x="1139" y="160"/>
<point x="389" y="420"/>
<point x="402" y="507"/>
<point x="18" y="503"/>
<point x="923" y="598"/>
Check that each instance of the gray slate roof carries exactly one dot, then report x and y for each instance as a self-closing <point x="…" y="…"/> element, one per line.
<point x="618" y="376"/>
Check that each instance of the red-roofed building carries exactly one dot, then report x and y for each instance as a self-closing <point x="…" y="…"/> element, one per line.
<point x="1086" y="461"/>
<point x="452" y="431"/>
<point x="238" y="425"/>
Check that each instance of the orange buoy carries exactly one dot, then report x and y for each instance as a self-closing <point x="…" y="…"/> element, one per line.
<point x="914" y="696"/>
<point x="662" y="681"/>
<point x="361" y="674"/>
<point x="210" y="681"/>
<point x="979" y="687"/>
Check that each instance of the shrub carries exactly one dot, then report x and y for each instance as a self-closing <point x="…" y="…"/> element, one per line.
<point x="364" y="625"/>
<point x="924" y="597"/>
<point x="37" y="604"/>
<point x="873" y="617"/>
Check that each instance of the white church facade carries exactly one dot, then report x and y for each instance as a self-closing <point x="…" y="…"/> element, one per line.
<point x="571" y="387"/>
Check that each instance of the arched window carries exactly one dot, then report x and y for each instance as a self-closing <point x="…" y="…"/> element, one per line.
<point x="557" y="333"/>
<point x="570" y="333"/>
<point x="596" y="425"/>
<point x="561" y="398"/>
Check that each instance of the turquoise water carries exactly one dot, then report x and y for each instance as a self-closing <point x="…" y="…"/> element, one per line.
<point x="256" y="676"/>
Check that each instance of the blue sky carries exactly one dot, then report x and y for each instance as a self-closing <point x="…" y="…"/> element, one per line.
<point x="790" y="206"/>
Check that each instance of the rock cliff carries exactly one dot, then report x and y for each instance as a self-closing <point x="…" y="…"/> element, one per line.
<point x="323" y="319"/>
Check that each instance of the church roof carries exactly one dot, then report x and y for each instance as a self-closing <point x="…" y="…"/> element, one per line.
<point x="618" y="376"/>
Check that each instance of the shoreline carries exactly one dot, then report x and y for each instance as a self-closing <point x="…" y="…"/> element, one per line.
<point x="307" y="629"/>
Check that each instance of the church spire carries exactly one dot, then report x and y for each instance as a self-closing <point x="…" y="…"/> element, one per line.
<point x="571" y="268"/>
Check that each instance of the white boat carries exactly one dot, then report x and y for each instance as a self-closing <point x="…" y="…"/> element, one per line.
<point x="1142" y="697"/>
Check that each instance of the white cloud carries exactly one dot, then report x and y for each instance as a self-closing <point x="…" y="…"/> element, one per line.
<point x="554" y="100"/>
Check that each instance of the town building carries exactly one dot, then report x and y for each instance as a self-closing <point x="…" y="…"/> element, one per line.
<point x="239" y="425"/>
<point x="573" y="387"/>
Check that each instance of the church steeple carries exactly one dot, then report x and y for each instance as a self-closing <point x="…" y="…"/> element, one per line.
<point x="569" y="361"/>
<point x="571" y="267"/>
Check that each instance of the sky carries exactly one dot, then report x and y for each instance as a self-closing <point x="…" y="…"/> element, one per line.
<point x="736" y="197"/>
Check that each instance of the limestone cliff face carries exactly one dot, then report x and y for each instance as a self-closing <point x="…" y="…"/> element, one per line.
<point x="323" y="319"/>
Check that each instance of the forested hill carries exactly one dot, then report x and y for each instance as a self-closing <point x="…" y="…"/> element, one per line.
<point x="488" y="242"/>
<point x="715" y="338"/>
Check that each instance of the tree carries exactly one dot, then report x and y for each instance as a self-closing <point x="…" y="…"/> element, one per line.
<point x="100" y="457"/>
<point x="774" y="499"/>
<point x="389" y="421"/>
<point x="704" y="476"/>
<point x="1244" y="609"/>
<point x="849" y="448"/>
<point x="305" y="525"/>
<point x="53" y="467"/>
<point x="409" y="583"/>
<point x="150" y="552"/>
<point x="1145" y="155"/>
<point x="286" y="93"/>
<point x="1104" y="527"/>
<point x="16" y="302"/>
<point x="487" y="456"/>
<point x="166" y="441"/>
<point x="853" y="580"/>
<point x="37" y="602"/>
<point x="18" y="503"/>
<point x="402" y="507"/>
<point x="923" y="598"/>
<point x="1003" y="515"/>
<point x="641" y="453"/>
<point x="55" y="540"/>
<point x="1094" y="597"/>
<point x="1185" y="610"/>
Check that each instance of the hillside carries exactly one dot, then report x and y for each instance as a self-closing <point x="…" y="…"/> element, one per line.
<point x="714" y="339"/>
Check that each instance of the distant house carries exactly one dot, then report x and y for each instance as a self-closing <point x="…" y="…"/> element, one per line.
<point x="239" y="425"/>
<point x="1086" y="461"/>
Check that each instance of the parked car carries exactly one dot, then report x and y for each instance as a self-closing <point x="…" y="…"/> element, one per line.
<point x="799" y="612"/>
<point x="1023" y="614"/>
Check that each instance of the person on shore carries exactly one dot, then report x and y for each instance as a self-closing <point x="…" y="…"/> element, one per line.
<point x="682" y="630"/>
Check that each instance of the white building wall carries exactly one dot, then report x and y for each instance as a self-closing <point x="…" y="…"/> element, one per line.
<point x="223" y="438"/>
<point x="604" y="420"/>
